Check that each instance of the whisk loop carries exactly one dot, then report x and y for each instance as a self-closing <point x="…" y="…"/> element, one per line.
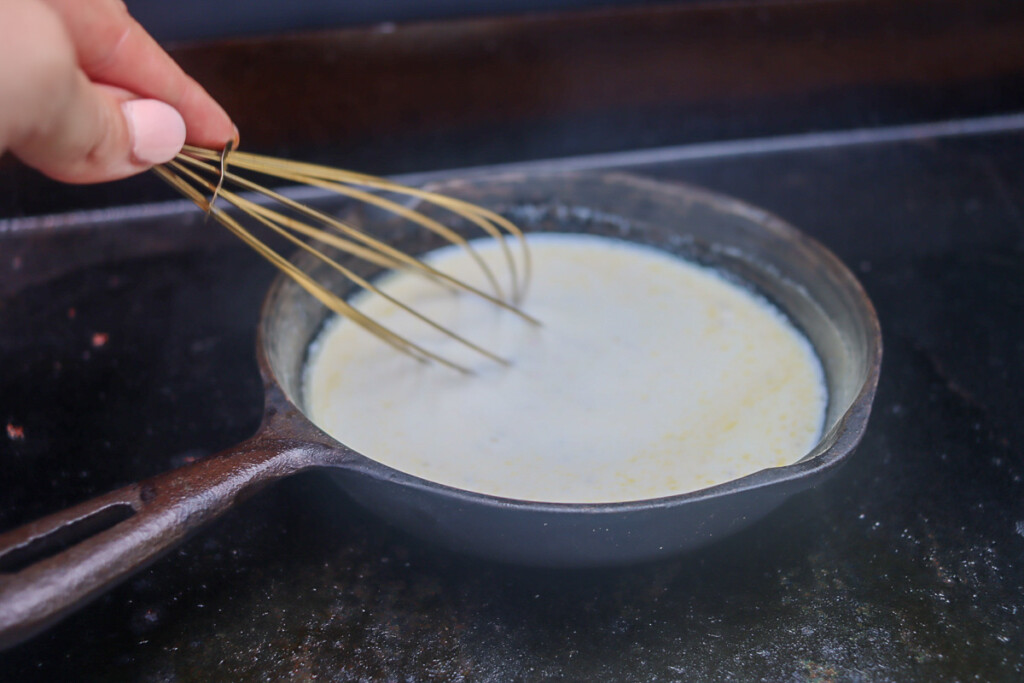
<point x="200" y="173"/>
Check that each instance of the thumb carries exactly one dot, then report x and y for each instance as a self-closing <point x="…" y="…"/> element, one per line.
<point x="97" y="136"/>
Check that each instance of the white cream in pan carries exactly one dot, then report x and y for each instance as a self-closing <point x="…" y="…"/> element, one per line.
<point x="650" y="377"/>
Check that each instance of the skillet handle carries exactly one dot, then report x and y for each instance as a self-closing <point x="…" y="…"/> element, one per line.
<point x="116" y="534"/>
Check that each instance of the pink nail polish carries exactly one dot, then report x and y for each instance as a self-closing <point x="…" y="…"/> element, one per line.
<point x="157" y="130"/>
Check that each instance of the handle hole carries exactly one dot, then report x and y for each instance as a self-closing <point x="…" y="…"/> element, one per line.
<point x="48" y="545"/>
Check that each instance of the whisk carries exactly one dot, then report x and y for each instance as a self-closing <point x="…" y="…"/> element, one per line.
<point x="204" y="176"/>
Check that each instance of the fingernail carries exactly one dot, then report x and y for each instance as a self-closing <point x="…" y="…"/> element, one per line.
<point x="157" y="130"/>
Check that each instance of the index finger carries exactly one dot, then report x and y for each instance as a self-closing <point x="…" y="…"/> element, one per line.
<point x="112" y="48"/>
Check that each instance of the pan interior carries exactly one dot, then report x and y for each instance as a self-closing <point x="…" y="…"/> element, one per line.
<point x="803" y="280"/>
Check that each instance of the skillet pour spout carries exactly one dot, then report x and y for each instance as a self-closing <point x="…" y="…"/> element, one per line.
<point x="57" y="564"/>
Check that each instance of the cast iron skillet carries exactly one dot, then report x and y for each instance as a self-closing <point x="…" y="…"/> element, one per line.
<point x="116" y="534"/>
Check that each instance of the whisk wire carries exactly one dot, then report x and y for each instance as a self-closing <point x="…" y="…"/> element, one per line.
<point x="252" y="209"/>
<point x="184" y="175"/>
<point x="368" y="240"/>
<point x="305" y="172"/>
<point x="318" y="291"/>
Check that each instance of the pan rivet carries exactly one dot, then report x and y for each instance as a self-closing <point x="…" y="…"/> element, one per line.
<point x="147" y="493"/>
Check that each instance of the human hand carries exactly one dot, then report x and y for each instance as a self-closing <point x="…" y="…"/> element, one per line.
<point x="86" y="95"/>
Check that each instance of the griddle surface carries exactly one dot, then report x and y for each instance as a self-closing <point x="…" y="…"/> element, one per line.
<point x="905" y="566"/>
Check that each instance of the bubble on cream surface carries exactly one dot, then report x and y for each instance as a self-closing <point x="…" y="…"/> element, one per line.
<point x="650" y="376"/>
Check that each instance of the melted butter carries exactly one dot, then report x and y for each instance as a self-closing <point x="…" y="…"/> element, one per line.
<point x="650" y="377"/>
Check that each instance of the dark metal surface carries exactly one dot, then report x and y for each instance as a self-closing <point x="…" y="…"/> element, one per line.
<point x="907" y="566"/>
